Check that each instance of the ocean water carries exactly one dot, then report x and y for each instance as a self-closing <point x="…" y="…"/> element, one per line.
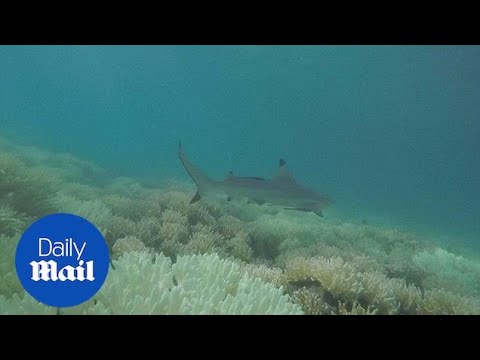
<point x="390" y="132"/>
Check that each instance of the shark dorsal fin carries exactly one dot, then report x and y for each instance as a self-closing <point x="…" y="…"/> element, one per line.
<point x="230" y="175"/>
<point x="283" y="173"/>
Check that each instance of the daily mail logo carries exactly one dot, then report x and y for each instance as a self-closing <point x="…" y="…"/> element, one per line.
<point x="62" y="260"/>
<point x="48" y="270"/>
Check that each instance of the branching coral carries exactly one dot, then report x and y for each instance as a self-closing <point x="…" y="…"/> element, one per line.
<point x="443" y="302"/>
<point x="312" y="302"/>
<point x="198" y="284"/>
<point x="9" y="283"/>
<point x="355" y="309"/>
<point x="12" y="222"/>
<point x="132" y="208"/>
<point x="274" y="276"/>
<point x="445" y="270"/>
<point x="126" y="245"/>
<point x="334" y="275"/>
<point x="24" y="190"/>
<point x="372" y="290"/>
<point x="24" y="304"/>
<point x="94" y="211"/>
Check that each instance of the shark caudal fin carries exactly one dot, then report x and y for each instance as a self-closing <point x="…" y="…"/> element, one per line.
<point x="201" y="180"/>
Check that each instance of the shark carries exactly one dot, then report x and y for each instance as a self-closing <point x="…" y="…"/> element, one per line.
<point x="282" y="190"/>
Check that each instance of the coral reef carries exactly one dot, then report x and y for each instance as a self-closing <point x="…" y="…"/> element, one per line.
<point x="142" y="283"/>
<point x="443" y="302"/>
<point x="443" y="269"/>
<point x="216" y="257"/>
<point x="24" y="190"/>
<point x="9" y="283"/>
<point x="126" y="245"/>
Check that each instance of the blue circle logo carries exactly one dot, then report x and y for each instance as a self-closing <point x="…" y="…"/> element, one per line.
<point x="62" y="260"/>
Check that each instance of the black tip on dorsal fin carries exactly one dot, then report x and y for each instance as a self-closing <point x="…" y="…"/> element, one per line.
<point x="283" y="173"/>
<point x="230" y="175"/>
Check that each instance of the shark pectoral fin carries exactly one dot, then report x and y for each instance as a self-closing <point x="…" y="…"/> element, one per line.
<point x="255" y="201"/>
<point x="195" y="198"/>
<point x="317" y="212"/>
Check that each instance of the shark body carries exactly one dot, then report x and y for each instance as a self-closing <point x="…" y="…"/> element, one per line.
<point x="282" y="190"/>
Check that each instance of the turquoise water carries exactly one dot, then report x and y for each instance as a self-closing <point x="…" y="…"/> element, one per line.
<point x="390" y="132"/>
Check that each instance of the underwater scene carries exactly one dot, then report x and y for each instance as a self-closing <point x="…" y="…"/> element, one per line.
<point x="289" y="180"/>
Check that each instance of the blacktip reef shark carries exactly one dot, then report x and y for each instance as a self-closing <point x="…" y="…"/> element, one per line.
<point x="282" y="190"/>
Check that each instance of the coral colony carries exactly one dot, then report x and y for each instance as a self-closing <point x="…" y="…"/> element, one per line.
<point x="217" y="257"/>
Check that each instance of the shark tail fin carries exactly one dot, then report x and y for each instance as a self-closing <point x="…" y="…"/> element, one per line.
<point x="195" y="198"/>
<point x="202" y="181"/>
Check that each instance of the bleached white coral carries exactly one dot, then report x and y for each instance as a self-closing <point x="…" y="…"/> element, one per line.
<point x="443" y="302"/>
<point x="94" y="211"/>
<point x="273" y="275"/>
<point x="197" y="284"/>
<point x="24" y="304"/>
<point x="449" y="271"/>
